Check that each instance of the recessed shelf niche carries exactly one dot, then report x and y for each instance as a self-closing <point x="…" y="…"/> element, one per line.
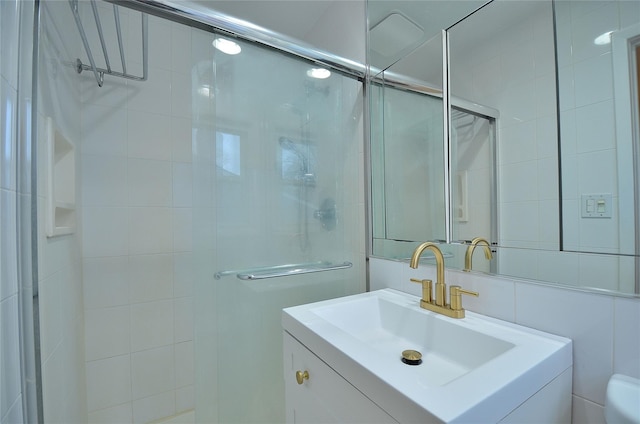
<point x="61" y="174"/>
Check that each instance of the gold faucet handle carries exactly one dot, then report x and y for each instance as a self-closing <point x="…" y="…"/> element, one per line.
<point x="426" y="289"/>
<point x="455" y="293"/>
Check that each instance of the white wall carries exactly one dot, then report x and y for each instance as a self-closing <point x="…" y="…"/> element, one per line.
<point x="10" y="383"/>
<point x="605" y="329"/>
<point x="136" y="256"/>
<point x="59" y="264"/>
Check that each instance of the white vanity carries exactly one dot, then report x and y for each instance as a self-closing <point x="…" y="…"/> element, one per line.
<point x="342" y="364"/>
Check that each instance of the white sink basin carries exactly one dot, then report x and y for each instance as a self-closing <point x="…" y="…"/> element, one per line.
<point x="474" y="369"/>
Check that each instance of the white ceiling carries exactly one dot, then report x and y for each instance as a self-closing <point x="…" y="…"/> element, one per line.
<point x="299" y="18"/>
<point x="292" y="18"/>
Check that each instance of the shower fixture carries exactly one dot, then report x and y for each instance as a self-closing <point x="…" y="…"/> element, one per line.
<point x="305" y="175"/>
<point x="327" y="214"/>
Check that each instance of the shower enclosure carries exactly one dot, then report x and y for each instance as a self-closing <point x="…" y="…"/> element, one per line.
<point x="198" y="200"/>
<point x="276" y="158"/>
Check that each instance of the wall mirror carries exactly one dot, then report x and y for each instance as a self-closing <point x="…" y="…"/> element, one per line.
<point x="542" y="138"/>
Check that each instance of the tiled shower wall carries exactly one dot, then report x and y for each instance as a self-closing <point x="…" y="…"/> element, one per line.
<point x="136" y="257"/>
<point x="59" y="257"/>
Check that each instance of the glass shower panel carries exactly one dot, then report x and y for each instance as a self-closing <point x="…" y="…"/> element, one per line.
<point x="472" y="174"/>
<point x="277" y="189"/>
<point x="473" y="184"/>
<point x="413" y="166"/>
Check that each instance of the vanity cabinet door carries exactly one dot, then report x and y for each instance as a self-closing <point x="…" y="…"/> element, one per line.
<point x="323" y="397"/>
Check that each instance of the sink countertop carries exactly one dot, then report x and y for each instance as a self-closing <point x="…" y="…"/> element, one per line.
<point x="348" y="334"/>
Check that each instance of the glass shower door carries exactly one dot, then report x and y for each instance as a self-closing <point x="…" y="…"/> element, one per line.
<point x="278" y="192"/>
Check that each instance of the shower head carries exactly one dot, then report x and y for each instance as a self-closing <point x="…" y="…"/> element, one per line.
<point x="291" y="146"/>
<point x="302" y="157"/>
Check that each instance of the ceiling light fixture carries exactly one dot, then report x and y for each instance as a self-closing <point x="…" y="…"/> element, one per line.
<point x="319" y="73"/>
<point x="603" y="39"/>
<point x="227" y="46"/>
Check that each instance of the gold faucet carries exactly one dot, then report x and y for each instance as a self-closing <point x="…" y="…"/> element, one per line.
<point x="468" y="257"/>
<point x="439" y="305"/>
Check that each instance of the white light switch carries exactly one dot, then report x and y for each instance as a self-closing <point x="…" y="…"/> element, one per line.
<point x="596" y="205"/>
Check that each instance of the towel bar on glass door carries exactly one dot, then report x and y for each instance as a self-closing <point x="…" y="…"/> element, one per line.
<point x="282" y="270"/>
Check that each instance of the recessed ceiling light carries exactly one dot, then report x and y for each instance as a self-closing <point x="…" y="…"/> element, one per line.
<point x="603" y="39"/>
<point x="226" y="46"/>
<point x="319" y="73"/>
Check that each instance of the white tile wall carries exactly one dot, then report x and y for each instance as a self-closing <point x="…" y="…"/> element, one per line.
<point x="148" y="230"/>
<point x="107" y="332"/>
<point x="59" y="261"/>
<point x="153" y="407"/>
<point x="108" y="382"/>
<point x="137" y="257"/>
<point x="105" y="231"/>
<point x="151" y="325"/>
<point x="588" y="314"/>
<point x="105" y="282"/>
<point x="605" y="330"/>
<point x="152" y="372"/>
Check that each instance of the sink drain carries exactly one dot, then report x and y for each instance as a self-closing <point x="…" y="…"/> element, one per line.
<point x="411" y="357"/>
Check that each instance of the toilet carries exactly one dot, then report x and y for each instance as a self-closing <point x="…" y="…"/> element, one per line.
<point x="622" y="403"/>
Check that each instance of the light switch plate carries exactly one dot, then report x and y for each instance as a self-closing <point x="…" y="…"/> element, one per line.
<point x="596" y="205"/>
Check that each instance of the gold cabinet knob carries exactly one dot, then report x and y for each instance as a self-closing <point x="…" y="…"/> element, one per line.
<point x="301" y="376"/>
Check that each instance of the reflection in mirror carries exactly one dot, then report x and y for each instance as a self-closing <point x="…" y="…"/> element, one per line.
<point x="597" y="70"/>
<point x="504" y="57"/>
<point x="407" y="159"/>
<point x="407" y="153"/>
<point x="473" y="182"/>
<point x="398" y="27"/>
